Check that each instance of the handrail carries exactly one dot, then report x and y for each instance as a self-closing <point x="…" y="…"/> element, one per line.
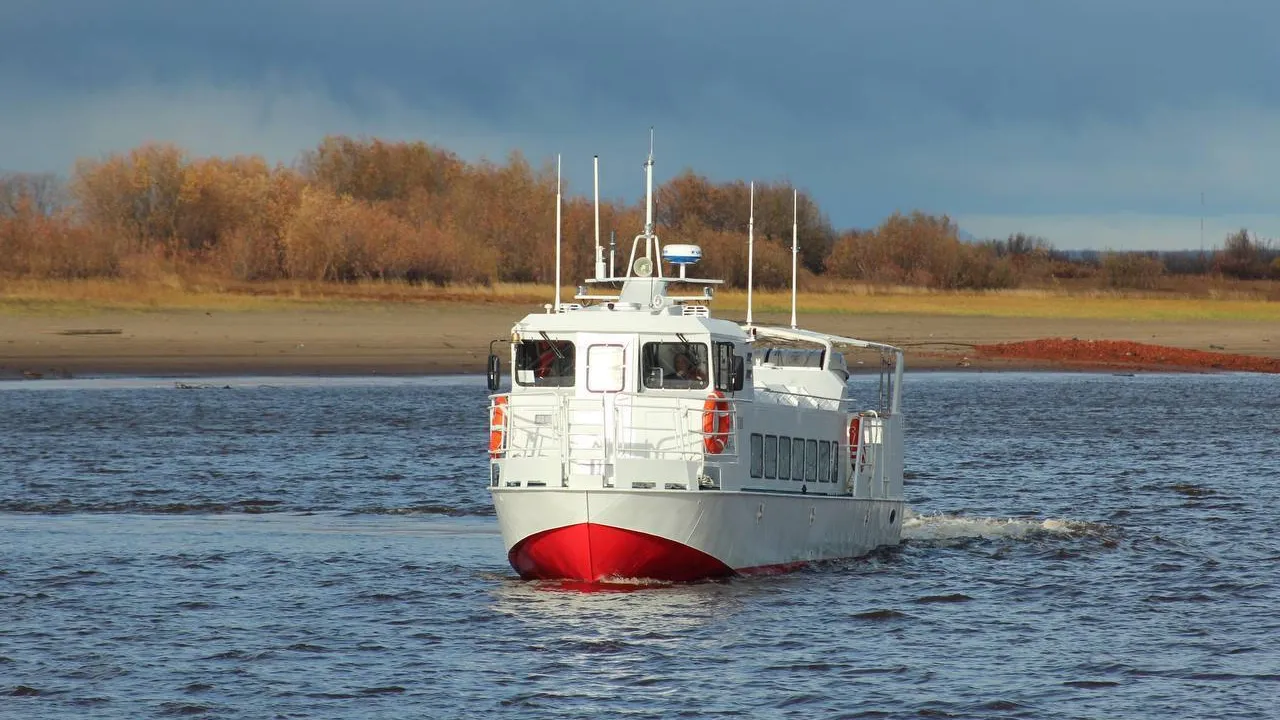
<point x="577" y="441"/>
<point x="584" y="435"/>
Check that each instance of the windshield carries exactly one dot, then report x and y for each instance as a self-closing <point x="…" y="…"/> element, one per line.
<point x="545" y="364"/>
<point x="675" y="365"/>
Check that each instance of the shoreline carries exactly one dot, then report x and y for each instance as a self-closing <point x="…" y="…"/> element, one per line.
<point x="438" y="338"/>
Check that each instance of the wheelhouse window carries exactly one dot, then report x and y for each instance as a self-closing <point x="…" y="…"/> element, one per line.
<point x="784" y="458"/>
<point x="824" y="461"/>
<point x="797" y="459"/>
<point x="811" y="461"/>
<point x="606" y="368"/>
<point x="675" y="365"/>
<point x="542" y="363"/>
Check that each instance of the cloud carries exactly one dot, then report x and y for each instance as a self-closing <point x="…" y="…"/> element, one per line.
<point x="1003" y="108"/>
<point x="1163" y="162"/>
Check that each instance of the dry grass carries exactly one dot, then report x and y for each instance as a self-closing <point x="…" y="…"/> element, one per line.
<point x="64" y="297"/>
<point x="192" y="291"/>
<point x="1094" y="304"/>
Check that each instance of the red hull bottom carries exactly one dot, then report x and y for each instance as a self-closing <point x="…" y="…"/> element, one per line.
<point x="593" y="553"/>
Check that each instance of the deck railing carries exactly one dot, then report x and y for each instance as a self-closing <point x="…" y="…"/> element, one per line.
<point x="544" y="424"/>
<point x="586" y="436"/>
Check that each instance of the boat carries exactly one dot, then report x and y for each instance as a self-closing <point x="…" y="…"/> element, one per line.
<point x="645" y="439"/>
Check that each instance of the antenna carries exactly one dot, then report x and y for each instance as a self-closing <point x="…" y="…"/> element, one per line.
<point x="648" y="198"/>
<point x="595" y="160"/>
<point x="751" y="248"/>
<point x="795" y="246"/>
<point x="557" y="232"/>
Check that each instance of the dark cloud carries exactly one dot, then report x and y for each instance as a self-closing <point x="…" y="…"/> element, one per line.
<point x="993" y="107"/>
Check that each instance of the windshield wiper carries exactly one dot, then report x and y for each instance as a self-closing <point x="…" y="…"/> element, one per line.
<point x="555" y="345"/>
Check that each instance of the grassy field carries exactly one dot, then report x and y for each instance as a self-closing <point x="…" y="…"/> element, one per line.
<point x="79" y="297"/>
<point x="1013" y="303"/>
<point x="60" y="297"/>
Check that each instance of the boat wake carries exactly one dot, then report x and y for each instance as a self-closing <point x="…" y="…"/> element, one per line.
<point x="943" y="527"/>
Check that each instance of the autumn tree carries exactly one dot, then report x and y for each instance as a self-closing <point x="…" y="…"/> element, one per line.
<point x="136" y="196"/>
<point x="691" y="200"/>
<point x="1243" y="257"/>
<point x="379" y="171"/>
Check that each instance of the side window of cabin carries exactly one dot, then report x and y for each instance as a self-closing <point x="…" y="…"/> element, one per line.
<point x="784" y="458"/>
<point x="770" y="456"/>
<point x="811" y="460"/>
<point x="674" y="365"/>
<point x="797" y="459"/>
<point x="835" y="462"/>
<point x="724" y="368"/>
<point x="757" y="462"/>
<point x="545" y="364"/>
<point x="824" y="461"/>
<point x="724" y="360"/>
<point x="606" y="368"/>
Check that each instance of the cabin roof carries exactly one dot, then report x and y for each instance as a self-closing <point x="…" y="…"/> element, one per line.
<point x="600" y="319"/>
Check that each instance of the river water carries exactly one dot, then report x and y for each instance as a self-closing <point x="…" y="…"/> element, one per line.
<point x="1078" y="546"/>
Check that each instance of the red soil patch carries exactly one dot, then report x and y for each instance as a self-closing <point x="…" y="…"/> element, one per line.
<point x="1106" y="352"/>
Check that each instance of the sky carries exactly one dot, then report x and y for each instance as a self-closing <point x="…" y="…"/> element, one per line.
<point x="1102" y="124"/>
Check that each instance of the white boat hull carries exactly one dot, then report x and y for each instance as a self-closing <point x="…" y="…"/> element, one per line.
<point x="606" y="534"/>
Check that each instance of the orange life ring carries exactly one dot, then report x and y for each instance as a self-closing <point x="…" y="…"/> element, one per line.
<point x="497" y="426"/>
<point x="716" y="423"/>
<point x="855" y="431"/>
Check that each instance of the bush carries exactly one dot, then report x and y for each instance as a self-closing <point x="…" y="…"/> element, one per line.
<point x="922" y="250"/>
<point x="1131" y="270"/>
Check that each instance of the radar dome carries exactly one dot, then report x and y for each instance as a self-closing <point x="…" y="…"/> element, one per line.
<point x="682" y="254"/>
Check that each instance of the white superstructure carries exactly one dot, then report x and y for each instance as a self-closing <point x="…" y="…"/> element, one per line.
<point x="644" y="438"/>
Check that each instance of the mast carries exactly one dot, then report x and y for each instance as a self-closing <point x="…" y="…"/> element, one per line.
<point x="751" y="248"/>
<point x="795" y="246"/>
<point x="557" y="232"/>
<point x="599" y="250"/>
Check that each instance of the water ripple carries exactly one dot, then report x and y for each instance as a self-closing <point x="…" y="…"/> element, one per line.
<point x="328" y="549"/>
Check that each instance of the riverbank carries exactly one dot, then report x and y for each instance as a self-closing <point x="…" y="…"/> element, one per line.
<point x="451" y="337"/>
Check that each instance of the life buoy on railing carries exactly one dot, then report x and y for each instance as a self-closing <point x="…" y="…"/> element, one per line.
<point x="716" y="423"/>
<point x="497" y="426"/>
<point x="855" y="433"/>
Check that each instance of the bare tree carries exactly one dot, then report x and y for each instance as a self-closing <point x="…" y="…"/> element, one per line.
<point x="45" y="193"/>
<point x="1243" y="257"/>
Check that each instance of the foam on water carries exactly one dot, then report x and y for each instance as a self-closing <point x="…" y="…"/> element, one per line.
<point x="950" y="527"/>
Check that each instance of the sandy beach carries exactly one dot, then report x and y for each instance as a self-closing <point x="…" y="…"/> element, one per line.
<point x="453" y="337"/>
